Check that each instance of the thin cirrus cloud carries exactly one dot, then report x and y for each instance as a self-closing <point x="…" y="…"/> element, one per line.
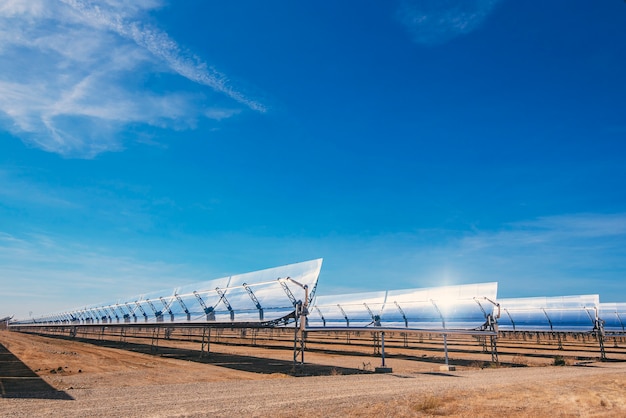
<point x="580" y="253"/>
<point x="579" y="232"/>
<point x="557" y="255"/>
<point x="76" y="73"/>
<point x="434" y="22"/>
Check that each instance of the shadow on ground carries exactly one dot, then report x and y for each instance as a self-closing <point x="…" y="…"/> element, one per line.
<point x="17" y="380"/>
<point x="244" y="363"/>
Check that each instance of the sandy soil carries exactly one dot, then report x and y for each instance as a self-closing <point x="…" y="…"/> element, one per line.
<point x="42" y="376"/>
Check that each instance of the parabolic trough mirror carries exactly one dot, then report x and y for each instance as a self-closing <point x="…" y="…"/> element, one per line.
<point x="463" y="307"/>
<point x="286" y="297"/>
<point x="558" y="313"/>
<point x="614" y="316"/>
<point x="251" y="299"/>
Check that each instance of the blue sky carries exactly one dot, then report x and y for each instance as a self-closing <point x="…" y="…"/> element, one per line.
<point x="149" y="144"/>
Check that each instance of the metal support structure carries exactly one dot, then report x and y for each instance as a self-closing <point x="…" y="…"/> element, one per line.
<point x="344" y="315"/>
<point x="154" y="342"/>
<point x="406" y="321"/>
<point x="382" y="346"/>
<point x="300" y="314"/>
<point x="125" y="315"/>
<point x="96" y="314"/>
<point x="375" y="318"/>
<point x="182" y="305"/>
<point x="102" y="317"/>
<point x="620" y="321"/>
<point x="157" y="314"/>
<point x="598" y="331"/>
<point x="143" y="312"/>
<point x="254" y="300"/>
<point x="208" y="310"/>
<point x="206" y="341"/>
<point x="299" y="338"/>
<point x="131" y="311"/>
<point x="560" y="341"/>
<point x="168" y="307"/>
<point x="376" y="338"/>
<point x="290" y="295"/>
<point x="321" y="315"/>
<point x="226" y="303"/>
<point x="548" y="318"/>
<point x="85" y="316"/>
<point x="445" y="336"/>
<point x="510" y="318"/>
<point x="119" y="310"/>
<point x="117" y="318"/>
<point x="491" y="324"/>
<point x="311" y="292"/>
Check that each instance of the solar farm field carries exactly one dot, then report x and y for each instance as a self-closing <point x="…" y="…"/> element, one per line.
<point x="251" y="372"/>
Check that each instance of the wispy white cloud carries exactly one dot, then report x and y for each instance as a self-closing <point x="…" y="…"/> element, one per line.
<point x="75" y="73"/>
<point x="160" y="45"/>
<point x="577" y="231"/>
<point x="585" y="225"/>
<point x="433" y="22"/>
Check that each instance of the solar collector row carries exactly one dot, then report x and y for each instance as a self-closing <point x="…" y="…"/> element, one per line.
<point x="263" y="297"/>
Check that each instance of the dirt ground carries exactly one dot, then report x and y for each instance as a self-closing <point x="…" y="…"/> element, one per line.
<point x="43" y="376"/>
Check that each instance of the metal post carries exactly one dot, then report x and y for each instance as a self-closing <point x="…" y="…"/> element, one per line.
<point x="445" y="337"/>
<point x="154" y="344"/>
<point x="382" y="346"/>
<point x="206" y="341"/>
<point x="383" y="368"/>
<point x="300" y="313"/>
<point x="599" y="332"/>
<point x="376" y="338"/>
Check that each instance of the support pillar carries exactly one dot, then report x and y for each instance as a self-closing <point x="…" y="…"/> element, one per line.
<point x="154" y="342"/>
<point x="206" y="342"/>
<point x="299" y="338"/>
<point x="383" y="368"/>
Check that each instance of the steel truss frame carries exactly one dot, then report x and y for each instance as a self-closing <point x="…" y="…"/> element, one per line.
<point x="552" y="309"/>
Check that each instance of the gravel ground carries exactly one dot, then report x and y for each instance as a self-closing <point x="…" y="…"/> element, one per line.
<point x="356" y="395"/>
<point x="56" y="377"/>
